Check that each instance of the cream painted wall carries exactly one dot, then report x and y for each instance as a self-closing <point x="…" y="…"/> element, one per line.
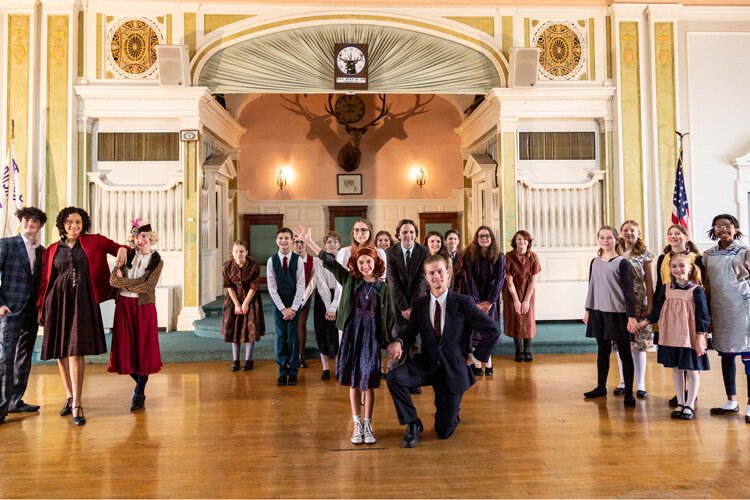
<point x="307" y="142"/>
<point x="717" y="103"/>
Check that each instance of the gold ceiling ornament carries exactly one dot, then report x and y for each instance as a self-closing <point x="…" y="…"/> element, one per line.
<point x="131" y="47"/>
<point x="561" y="50"/>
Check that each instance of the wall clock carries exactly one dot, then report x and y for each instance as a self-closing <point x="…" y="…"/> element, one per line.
<point x="349" y="108"/>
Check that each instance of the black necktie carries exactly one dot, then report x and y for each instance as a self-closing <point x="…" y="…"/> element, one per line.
<point x="285" y="265"/>
<point x="436" y="322"/>
<point x="408" y="258"/>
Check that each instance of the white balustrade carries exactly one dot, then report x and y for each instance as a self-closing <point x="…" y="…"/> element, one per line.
<point x="113" y="207"/>
<point x="563" y="215"/>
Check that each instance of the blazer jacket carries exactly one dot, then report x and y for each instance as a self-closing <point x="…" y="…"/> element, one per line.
<point x="18" y="285"/>
<point x="96" y="248"/>
<point x="406" y="284"/>
<point x="450" y="351"/>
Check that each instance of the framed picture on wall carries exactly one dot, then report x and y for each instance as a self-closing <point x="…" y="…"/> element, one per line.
<point x="349" y="184"/>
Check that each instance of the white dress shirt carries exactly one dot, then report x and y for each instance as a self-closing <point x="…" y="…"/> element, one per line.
<point x="411" y="253"/>
<point x="30" y="251"/>
<point x="441" y="300"/>
<point x="137" y="270"/>
<point x="325" y="282"/>
<point x="273" y="288"/>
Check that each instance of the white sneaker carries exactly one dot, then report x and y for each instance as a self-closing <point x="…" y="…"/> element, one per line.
<point x="369" y="436"/>
<point x="357" y="434"/>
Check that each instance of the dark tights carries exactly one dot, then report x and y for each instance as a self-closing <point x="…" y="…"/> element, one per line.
<point x="602" y="364"/>
<point x="140" y="384"/>
<point x="729" y="373"/>
<point x="526" y="345"/>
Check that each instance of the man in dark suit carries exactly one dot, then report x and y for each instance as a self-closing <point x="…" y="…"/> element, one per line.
<point x="20" y="271"/>
<point x="404" y="276"/>
<point x="445" y="321"/>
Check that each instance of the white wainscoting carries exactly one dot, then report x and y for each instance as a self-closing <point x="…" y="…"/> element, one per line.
<point x="562" y="285"/>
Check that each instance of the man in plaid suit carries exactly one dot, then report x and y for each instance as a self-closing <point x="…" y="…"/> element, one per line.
<point x="20" y="271"/>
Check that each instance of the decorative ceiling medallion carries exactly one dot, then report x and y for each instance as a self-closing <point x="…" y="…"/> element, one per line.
<point x="131" y="47"/>
<point x="561" y="50"/>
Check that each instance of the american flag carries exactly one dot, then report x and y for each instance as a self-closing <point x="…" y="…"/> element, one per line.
<point x="680" y="208"/>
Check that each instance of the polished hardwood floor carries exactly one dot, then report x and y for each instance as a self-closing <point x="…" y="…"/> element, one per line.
<point x="525" y="432"/>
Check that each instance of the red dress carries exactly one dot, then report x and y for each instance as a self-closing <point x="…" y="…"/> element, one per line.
<point x="522" y="268"/>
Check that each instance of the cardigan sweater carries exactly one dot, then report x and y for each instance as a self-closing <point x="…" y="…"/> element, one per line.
<point x="145" y="286"/>
<point x="96" y="247"/>
<point x="350" y="285"/>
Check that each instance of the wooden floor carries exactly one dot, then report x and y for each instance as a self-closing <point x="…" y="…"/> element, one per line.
<point x="525" y="432"/>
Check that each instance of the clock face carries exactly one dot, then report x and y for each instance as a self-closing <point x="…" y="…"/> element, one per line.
<point x="350" y="60"/>
<point x="349" y="108"/>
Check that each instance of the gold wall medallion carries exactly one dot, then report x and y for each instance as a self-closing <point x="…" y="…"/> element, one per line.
<point x="131" y="47"/>
<point x="561" y="50"/>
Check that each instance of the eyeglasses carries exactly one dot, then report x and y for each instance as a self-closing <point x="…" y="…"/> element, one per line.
<point x="723" y="228"/>
<point x="484" y="236"/>
<point x="360" y="230"/>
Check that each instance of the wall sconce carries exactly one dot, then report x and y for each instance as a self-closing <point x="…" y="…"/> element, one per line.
<point x="421" y="177"/>
<point x="281" y="178"/>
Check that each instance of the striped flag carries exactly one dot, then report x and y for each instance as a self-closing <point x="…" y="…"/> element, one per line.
<point x="11" y="198"/>
<point x="680" y="208"/>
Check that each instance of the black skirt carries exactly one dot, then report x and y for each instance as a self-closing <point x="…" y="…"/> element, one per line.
<point x="326" y="333"/>
<point x="683" y="358"/>
<point x="607" y="326"/>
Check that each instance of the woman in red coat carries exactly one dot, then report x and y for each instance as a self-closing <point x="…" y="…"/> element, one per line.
<point x="74" y="281"/>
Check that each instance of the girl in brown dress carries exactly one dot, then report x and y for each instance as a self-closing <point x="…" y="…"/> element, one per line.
<point x="518" y="294"/>
<point x="242" y="321"/>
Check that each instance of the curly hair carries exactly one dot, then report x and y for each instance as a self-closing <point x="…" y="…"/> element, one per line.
<point x="65" y="213"/>
<point x="732" y="220"/>
<point x="152" y="236"/>
<point x="31" y="213"/>
<point x="695" y="272"/>
<point x="523" y="234"/>
<point x="640" y="247"/>
<point x="379" y="268"/>
<point x="443" y="249"/>
<point x="474" y="250"/>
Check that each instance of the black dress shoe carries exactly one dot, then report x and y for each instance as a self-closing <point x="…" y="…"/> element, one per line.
<point x="415" y="390"/>
<point x="413" y="430"/>
<point x="618" y="391"/>
<point x="79" y="419"/>
<point x="595" y="393"/>
<point x="139" y="401"/>
<point x="673" y="402"/>
<point x="292" y="380"/>
<point x="477" y="371"/>
<point x="527" y="357"/>
<point x="678" y="412"/>
<point x="326" y="375"/>
<point x="67" y="408"/>
<point x="641" y="394"/>
<point x="22" y="407"/>
<point x="488" y="371"/>
<point x="721" y="411"/>
<point x="248" y="365"/>
<point x="747" y="419"/>
<point x="2" y="420"/>
<point x="519" y="357"/>
<point x="629" y="401"/>
<point x="302" y="363"/>
<point x="235" y="365"/>
<point x="687" y="414"/>
<point x="281" y="380"/>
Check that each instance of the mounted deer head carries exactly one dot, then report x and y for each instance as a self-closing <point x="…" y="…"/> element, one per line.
<point x="350" y="155"/>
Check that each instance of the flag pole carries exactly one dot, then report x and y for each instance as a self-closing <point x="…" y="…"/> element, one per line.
<point x="12" y="130"/>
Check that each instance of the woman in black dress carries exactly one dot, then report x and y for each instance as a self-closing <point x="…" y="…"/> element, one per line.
<point x="74" y="281"/>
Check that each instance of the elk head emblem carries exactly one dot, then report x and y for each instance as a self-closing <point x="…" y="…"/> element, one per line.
<point x="350" y="155"/>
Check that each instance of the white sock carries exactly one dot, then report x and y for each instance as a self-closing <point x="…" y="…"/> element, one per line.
<point x="747" y="411"/>
<point x="368" y="421"/>
<point x="621" y="385"/>
<point x="324" y="362"/>
<point x="693" y="385"/>
<point x="639" y="362"/>
<point x="678" y="376"/>
<point x="357" y="419"/>
<point x="730" y="405"/>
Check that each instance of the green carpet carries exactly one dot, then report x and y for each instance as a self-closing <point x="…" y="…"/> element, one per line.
<point x="205" y="342"/>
